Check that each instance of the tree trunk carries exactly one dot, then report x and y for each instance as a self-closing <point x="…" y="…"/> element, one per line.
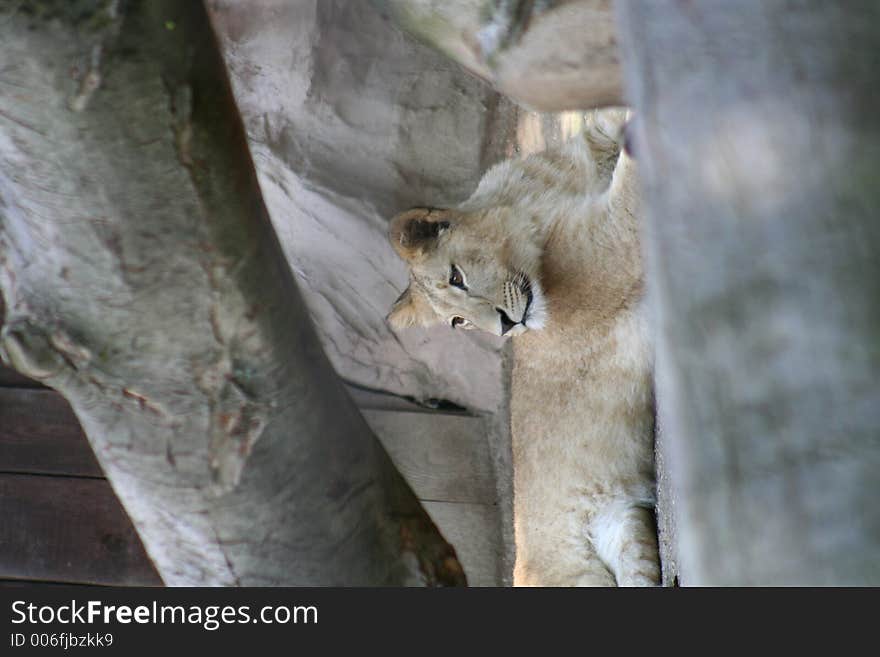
<point x="143" y="280"/>
<point x="758" y="139"/>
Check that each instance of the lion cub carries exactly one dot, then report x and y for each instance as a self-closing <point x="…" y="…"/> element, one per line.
<point x="547" y="249"/>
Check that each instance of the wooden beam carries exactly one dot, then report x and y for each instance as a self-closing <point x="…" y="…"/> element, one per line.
<point x="443" y="457"/>
<point x="474" y="530"/>
<point x="39" y="434"/>
<point x="9" y="378"/>
<point x="64" y="529"/>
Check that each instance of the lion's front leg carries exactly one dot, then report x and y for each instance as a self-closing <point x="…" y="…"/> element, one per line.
<point x="626" y="540"/>
<point x="557" y="563"/>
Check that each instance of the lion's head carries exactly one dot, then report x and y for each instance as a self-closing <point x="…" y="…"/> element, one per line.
<point x="469" y="270"/>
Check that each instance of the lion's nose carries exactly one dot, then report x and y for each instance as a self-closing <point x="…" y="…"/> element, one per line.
<point x="506" y="322"/>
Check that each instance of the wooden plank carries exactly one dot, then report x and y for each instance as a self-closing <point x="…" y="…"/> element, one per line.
<point x="40" y="434"/>
<point x="29" y="583"/>
<point x="10" y="378"/>
<point x="474" y="532"/>
<point x="443" y="457"/>
<point x="68" y="529"/>
<point x="446" y="459"/>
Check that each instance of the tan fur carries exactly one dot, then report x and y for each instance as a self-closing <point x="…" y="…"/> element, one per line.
<point x="549" y="244"/>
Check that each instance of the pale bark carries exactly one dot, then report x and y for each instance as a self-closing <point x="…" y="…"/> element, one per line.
<point x="549" y="55"/>
<point x="758" y="138"/>
<point x="142" y="278"/>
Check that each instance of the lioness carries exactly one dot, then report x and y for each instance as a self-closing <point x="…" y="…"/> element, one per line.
<point x="547" y="250"/>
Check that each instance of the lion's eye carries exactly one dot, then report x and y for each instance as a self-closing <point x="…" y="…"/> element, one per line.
<point x="458" y="321"/>
<point x="455" y="278"/>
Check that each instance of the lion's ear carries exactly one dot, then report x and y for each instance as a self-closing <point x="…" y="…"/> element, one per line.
<point x="414" y="232"/>
<point x="409" y="310"/>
